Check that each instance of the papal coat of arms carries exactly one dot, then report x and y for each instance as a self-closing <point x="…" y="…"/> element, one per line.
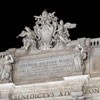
<point x="47" y="32"/>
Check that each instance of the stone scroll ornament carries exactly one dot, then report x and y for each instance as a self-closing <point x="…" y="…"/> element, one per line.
<point x="47" y="33"/>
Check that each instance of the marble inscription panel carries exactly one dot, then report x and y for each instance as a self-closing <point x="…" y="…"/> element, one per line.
<point x="50" y="67"/>
<point x="59" y="92"/>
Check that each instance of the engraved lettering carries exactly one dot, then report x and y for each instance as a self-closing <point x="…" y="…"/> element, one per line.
<point x="93" y="90"/>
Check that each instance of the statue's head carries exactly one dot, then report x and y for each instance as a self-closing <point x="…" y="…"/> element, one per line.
<point x="61" y="22"/>
<point x="44" y="14"/>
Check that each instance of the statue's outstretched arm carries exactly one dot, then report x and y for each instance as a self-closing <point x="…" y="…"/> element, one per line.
<point x="69" y="25"/>
<point x="11" y="59"/>
<point x="23" y="33"/>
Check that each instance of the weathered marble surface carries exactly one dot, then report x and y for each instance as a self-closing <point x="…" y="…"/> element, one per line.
<point x="46" y="67"/>
<point x="6" y="91"/>
<point x="52" y="90"/>
<point x="95" y="61"/>
<point x="80" y="87"/>
<point x="49" y="65"/>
